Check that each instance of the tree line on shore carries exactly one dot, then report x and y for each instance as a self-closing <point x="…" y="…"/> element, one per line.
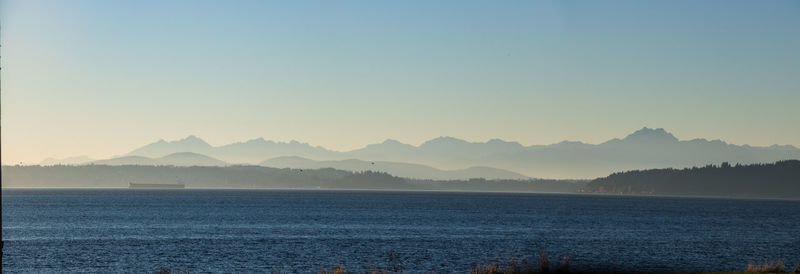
<point x="776" y="180"/>
<point x="242" y="176"/>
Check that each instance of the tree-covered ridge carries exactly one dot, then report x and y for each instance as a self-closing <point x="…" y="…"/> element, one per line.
<point x="256" y="177"/>
<point x="777" y="180"/>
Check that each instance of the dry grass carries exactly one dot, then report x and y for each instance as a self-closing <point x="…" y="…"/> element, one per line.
<point x="170" y="271"/>
<point x="495" y="268"/>
<point x="337" y="270"/>
<point x="564" y="268"/>
<point x="766" y="267"/>
<point x="518" y="267"/>
<point x="341" y="270"/>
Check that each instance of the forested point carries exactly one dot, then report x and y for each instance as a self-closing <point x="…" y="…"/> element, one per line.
<point x="776" y="180"/>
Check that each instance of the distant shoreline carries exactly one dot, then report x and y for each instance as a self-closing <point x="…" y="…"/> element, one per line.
<point x="407" y="190"/>
<point x="780" y="179"/>
<point x="774" y="181"/>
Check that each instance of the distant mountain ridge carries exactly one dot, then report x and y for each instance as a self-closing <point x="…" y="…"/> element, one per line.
<point x="404" y="170"/>
<point x="248" y="152"/>
<point x="643" y="149"/>
<point x="66" y="161"/>
<point x="646" y="136"/>
<point x="189" y="144"/>
<point x="175" y="159"/>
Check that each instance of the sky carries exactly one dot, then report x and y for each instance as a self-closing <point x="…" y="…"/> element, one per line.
<point x="100" y="78"/>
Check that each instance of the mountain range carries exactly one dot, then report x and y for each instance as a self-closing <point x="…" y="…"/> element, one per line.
<point x="643" y="149"/>
<point x="405" y="170"/>
<point x="174" y="159"/>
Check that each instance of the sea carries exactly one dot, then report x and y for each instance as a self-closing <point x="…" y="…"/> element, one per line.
<point x="305" y="231"/>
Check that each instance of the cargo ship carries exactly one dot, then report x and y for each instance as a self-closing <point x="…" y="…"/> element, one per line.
<point x="156" y="186"/>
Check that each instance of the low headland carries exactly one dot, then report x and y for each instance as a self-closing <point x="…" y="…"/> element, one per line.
<point x="774" y="180"/>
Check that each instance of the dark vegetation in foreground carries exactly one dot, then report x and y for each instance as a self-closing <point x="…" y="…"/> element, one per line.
<point x="257" y="177"/>
<point x="777" y="180"/>
<point x="515" y="266"/>
<point x="771" y="267"/>
<point x="523" y="267"/>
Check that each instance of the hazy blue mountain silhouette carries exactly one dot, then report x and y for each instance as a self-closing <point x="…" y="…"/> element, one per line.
<point x="645" y="136"/>
<point x="163" y="148"/>
<point x="442" y="152"/>
<point x="388" y="147"/>
<point x="175" y="159"/>
<point x="405" y="170"/>
<point x="190" y="159"/>
<point x="77" y="160"/>
<point x="128" y="160"/>
<point x="643" y="149"/>
<point x="256" y="150"/>
<point x="249" y="152"/>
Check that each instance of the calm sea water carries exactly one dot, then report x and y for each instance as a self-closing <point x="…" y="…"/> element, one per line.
<point x="302" y="231"/>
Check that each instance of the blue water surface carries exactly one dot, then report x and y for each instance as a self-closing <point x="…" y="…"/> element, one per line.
<point x="121" y="230"/>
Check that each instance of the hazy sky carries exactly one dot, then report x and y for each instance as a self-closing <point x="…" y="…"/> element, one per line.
<point x="100" y="78"/>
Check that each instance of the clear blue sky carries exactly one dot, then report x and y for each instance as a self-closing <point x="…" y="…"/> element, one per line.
<point x="99" y="78"/>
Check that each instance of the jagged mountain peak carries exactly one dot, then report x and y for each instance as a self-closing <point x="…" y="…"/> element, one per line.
<point x="188" y="140"/>
<point x="650" y="135"/>
<point x="498" y="141"/>
<point x="444" y="140"/>
<point x="643" y="148"/>
<point x="568" y="143"/>
<point x="776" y="146"/>
<point x="185" y="154"/>
<point x="388" y="146"/>
<point x="161" y="147"/>
<point x="257" y="140"/>
<point x="391" y="142"/>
